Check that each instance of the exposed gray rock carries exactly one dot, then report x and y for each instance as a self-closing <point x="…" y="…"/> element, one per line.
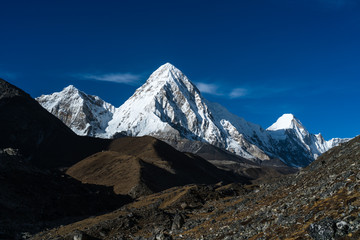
<point x="323" y="230"/>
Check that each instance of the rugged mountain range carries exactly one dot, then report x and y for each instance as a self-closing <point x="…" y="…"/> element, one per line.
<point x="170" y="107"/>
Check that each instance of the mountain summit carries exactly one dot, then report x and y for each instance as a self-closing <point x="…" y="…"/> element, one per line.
<point x="286" y="121"/>
<point x="167" y="99"/>
<point x="170" y="107"/>
<point x="294" y="140"/>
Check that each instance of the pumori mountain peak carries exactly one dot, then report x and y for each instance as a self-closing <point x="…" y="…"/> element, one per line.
<point x="167" y="74"/>
<point x="167" y="66"/>
<point x="70" y="88"/>
<point x="170" y="107"/>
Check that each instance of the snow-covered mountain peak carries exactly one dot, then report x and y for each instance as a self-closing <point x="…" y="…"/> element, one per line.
<point x="167" y="99"/>
<point x="167" y="91"/>
<point x="167" y="74"/>
<point x="84" y="114"/>
<point x="71" y="89"/>
<point x="167" y="66"/>
<point x="286" y="121"/>
<point x="163" y="72"/>
<point x="170" y="107"/>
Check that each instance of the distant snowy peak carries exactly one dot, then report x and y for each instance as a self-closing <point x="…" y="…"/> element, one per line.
<point x="286" y="121"/>
<point x="84" y="114"/>
<point x="288" y="131"/>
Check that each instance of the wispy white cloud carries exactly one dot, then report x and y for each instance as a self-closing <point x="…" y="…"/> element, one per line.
<point x="209" y="88"/>
<point x="245" y="91"/>
<point x="217" y="89"/>
<point x="238" y="92"/>
<point x="125" y="78"/>
<point x="265" y="91"/>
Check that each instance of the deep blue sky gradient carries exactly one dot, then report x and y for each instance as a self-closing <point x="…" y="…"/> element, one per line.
<point x="282" y="56"/>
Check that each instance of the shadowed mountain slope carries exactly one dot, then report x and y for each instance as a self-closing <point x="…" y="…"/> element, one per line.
<point x="32" y="199"/>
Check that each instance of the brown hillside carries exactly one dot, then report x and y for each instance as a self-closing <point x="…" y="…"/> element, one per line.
<point x="109" y="168"/>
<point x="138" y="166"/>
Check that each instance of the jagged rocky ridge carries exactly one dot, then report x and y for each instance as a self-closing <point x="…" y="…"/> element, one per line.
<point x="170" y="107"/>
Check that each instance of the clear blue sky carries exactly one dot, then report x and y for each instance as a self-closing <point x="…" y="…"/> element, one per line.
<point x="258" y="58"/>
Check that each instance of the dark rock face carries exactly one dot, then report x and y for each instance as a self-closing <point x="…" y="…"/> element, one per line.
<point x="8" y="90"/>
<point x="323" y="230"/>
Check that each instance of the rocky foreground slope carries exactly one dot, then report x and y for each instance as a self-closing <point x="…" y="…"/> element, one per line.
<point x="320" y="202"/>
